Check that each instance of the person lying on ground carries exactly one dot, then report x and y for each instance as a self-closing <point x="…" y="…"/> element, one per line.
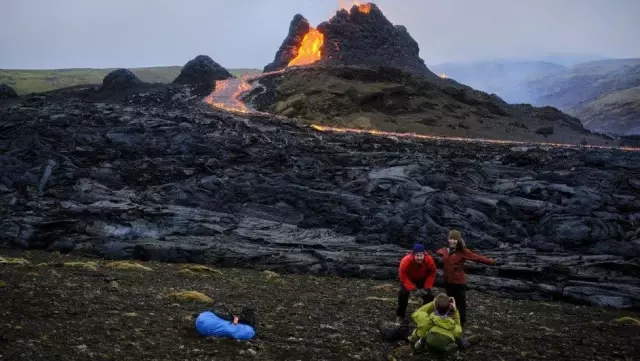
<point x="436" y="328"/>
<point x="455" y="280"/>
<point x="221" y="322"/>
<point x="417" y="273"/>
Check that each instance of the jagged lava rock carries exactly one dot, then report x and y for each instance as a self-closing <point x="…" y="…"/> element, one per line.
<point x="298" y="27"/>
<point x="118" y="80"/>
<point x="7" y="92"/>
<point x="358" y="38"/>
<point x="202" y="72"/>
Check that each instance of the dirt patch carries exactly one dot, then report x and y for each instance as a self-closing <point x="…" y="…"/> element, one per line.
<point x="67" y="313"/>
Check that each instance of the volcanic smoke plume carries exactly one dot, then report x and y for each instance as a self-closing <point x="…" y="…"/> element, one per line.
<point x="362" y="36"/>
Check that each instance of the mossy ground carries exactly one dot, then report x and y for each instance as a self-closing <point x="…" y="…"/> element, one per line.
<point x="75" y="313"/>
<point x="35" y="81"/>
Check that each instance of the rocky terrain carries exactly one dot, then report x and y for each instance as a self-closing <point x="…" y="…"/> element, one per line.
<point x="390" y="99"/>
<point x="362" y="36"/>
<point x="162" y="176"/>
<point x="60" y="307"/>
<point x="7" y="92"/>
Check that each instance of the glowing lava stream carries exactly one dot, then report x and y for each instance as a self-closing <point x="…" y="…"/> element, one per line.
<point x="228" y="92"/>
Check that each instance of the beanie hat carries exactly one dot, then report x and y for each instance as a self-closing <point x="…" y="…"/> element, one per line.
<point x="417" y="248"/>
<point x="455" y="234"/>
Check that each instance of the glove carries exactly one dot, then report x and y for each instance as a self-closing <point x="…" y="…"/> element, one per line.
<point x="423" y="292"/>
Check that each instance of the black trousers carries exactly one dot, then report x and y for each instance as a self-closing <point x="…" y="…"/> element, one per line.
<point x="403" y="298"/>
<point x="459" y="293"/>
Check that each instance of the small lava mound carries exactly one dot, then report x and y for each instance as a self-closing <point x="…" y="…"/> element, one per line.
<point x="7" y="92"/>
<point x="119" y="80"/>
<point x="202" y="73"/>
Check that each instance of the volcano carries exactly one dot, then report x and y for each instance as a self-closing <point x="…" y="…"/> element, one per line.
<point x="362" y="36"/>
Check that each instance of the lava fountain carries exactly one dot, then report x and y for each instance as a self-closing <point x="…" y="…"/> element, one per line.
<point x="309" y="50"/>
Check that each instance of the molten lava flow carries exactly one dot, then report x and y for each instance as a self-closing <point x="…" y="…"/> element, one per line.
<point x="227" y="94"/>
<point x="363" y="8"/>
<point x="309" y="50"/>
<point x="323" y="128"/>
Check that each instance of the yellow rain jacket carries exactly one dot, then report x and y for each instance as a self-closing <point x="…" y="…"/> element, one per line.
<point x="428" y="322"/>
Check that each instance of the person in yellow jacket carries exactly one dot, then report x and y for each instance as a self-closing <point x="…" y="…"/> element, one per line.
<point x="437" y="326"/>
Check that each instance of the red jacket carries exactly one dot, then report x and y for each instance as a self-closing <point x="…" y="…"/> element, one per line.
<point x="453" y="269"/>
<point x="410" y="272"/>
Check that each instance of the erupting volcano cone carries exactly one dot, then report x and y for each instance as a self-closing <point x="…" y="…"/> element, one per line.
<point x="362" y="36"/>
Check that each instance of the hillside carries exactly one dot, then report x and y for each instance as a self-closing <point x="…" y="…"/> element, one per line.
<point x="499" y="76"/>
<point x="35" y="81"/>
<point x="570" y="89"/>
<point x="585" y="82"/>
<point x="617" y="112"/>
<point x="393" y="101"/>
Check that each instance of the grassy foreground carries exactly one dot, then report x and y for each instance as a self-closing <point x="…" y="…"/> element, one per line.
<point x="59" y="307"/>
<point x="35" y="81"/>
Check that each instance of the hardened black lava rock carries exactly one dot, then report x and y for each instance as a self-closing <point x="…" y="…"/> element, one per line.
<point x="202" y="73"/>
<point x="118" y="80"/>
<point x="298" y="28"/>
<point x="358" y="38"/>
<point x="7" y="92"/>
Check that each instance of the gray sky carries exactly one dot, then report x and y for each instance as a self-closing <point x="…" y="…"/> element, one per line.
<point x="247" y="33"/>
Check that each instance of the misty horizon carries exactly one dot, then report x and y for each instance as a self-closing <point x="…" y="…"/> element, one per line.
<point x="55" y="34"/>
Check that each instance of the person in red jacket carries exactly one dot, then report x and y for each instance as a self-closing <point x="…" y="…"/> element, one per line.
<point x="455" y="280"/>
<point x="417" y="273"/>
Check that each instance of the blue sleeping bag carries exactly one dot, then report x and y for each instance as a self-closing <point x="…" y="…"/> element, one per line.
<point x="208" y="324"/>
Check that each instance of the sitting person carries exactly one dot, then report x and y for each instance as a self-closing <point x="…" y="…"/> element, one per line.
<point x="436" y="326"/>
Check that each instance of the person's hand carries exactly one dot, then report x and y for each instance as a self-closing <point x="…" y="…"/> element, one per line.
<point x="424" y="292"/>
<point x="452" y="302"/>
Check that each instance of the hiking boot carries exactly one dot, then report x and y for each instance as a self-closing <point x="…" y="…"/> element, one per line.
<point x="463" y="343"/>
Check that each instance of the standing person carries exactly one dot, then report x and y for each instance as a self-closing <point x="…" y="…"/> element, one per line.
<point x="417" y="273"/>
<point x="455" y="280"/>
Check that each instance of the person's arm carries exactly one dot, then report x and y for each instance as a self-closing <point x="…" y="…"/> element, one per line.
<point x="422" y="320"/>
<point x="404" y="275"/>
<point x="431" y="273"/>
<point x="457" y="331"/>
<point x="478" y="258"/>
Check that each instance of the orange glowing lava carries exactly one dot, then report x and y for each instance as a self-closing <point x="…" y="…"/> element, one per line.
<point x="363" y="8"/>
<point x="227" y="95"/>
<point x="323" y="128"/>
<point x="309" y="50"/>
